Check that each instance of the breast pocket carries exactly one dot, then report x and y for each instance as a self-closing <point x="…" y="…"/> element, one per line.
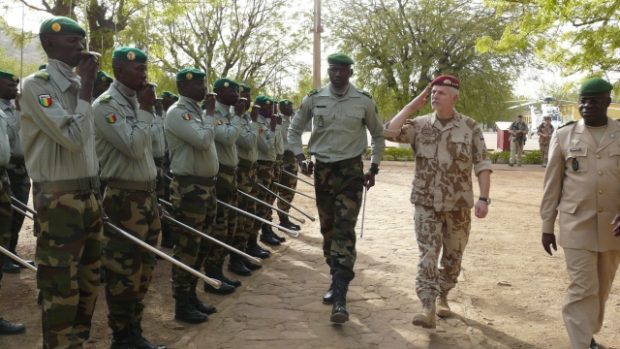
<point x="460" y="149"/>
<point x="353" y="119"/>
<point x="576" y="158"/>
<point x="320" y="119"/>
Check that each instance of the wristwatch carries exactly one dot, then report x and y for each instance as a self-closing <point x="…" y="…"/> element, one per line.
<point x="487" y="200"/>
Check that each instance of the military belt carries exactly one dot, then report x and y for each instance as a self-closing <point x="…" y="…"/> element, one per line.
<point x="148" y="186"/>
<point x="17" y="160"/>
<point x="341" y="163"/>
<point x="188" y="180"/>
<point x="160" y="162"/>
<point x="245" y="163"/>
<point x="68" y="185"/>
<point x="229" y="170"/>
<point x="265" y="163"/>
<point x="279" y="157"/>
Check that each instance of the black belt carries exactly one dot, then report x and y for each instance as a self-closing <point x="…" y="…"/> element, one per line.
<point x="245" y="163"/>
<point x="160" y="162"/>
<point x="341" y="163"/>
<point x="187" y="180"/>
<point x="229" y="170"/>
<point x="148" y="186"/>
<point x="265" y="162"/>
<point x="68" y="185"/>
<point x="17" y="161"/>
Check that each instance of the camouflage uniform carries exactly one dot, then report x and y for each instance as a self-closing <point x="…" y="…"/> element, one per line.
<point x="442" y="194"/>
<point x="124" y="146"/>
<point x="246" y="176"/>
<point x="338" y="141"/>
<point x="265" y="171"/>
<point x="5" y="191"/>
<point x="56" y="132"/>
<point x="289" y="163"/>
<point x="227" y="130"/>
<point x="543" y="142"/>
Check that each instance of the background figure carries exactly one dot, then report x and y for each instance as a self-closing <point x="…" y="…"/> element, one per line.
<point x="544" y="132"/>
<point x="518" y="135"/>
<point x="289" y="163"/>
<point x="582" y="183"/>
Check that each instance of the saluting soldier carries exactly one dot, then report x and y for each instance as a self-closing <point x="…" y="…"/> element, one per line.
<point x="289" y="164"/>
<point x="6" y="327"/>
<point x="340" y="115"/>
<point x="59" y="149"/>
<point x="545" y="131"/>
<point x="123" y="118"/>
<point x="194" y="165"/>
<point x="102" y="83"/>
<point x="227" y="118"/>
<point x="277" y="168"/>
<point x="582" y="183"/>
<point x="16" y="169"/>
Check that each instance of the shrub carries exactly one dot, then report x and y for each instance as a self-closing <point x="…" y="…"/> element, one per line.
<point x="499" y="157"/>
<point x="532" y="157"/>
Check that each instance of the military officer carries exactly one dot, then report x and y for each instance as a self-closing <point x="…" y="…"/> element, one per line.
<point x="340" y="115"/>
<point x="448" y="145"/>
<point x="194" y="167"/>
<point x="16" y="169"/>
<point x="59" y="150"/>
<point x="582" y="183"/>
<point x="544" y="132"/>
<point x="289" y="164"/>
<point x="518" y="134"/>
<point x="227" y="117"/>
<point x="123" y="119"/>
<point x="102" y="83"/>
<point x="277" y="167"/>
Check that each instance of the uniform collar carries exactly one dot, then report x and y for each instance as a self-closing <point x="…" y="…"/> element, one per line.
<point x="454" y="122"/>
<point x="62" y="74"/>
<point x="351" y="92"/>
<point x="124" y="90"/>
<point x="190" y="103"/>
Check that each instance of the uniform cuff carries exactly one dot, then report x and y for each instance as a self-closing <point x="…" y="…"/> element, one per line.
<point x="548" y="226"/>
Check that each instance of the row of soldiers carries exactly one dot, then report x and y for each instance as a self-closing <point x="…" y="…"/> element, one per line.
<point x="210" y="147"/>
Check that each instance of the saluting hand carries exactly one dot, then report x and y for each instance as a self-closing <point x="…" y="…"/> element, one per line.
<point x="548" y="241"/>
<point x="240" y="106"/>
<point x="254" y="112"/>
<point x="418" y="102"/>
<point x="209" y="104"/>
<point x="147" y="97"/>
<point x="616" y="224"/>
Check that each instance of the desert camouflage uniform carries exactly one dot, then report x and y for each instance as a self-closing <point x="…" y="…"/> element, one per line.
<point x="289" y="163"/>
<point x="246" y="176"/>
<point x="265" y="171"/>
<point x="124" y="146"/>
<point x="194" y="166"/>
<point x="543" y="142"/>
<point x="338" y="141"/>
<point x="56" y="133"/>
<point x="442" y="194"/>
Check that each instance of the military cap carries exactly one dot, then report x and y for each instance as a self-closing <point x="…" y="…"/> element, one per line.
<point x="263" y="100"/>
<point x="168" y="94"/>
<point x="61" y="26"/>
<point x="245" y="87"/>
<point x="284" y="102"/>
<point x="188" y="74"/>
<point x="595" y="86"/>
<point x="8" y="76"/>
<point x="103" y="76"/>
<point x="339" y="58"/>
<point x="130" y="54"/>
<point x="224" y="82"/>
<point x="42" y="66"/>
<point x="446" y="80"/>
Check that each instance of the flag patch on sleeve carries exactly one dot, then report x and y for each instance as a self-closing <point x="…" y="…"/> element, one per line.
<point x="111" y="118"/>
<point x="187" y="116"/>
<point x="45" y="101"/>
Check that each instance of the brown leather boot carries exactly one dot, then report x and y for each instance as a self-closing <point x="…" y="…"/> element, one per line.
<point x="426" y="318"/>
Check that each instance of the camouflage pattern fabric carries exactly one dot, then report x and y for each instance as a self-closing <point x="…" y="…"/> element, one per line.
<point x="338" y="188"/>
<point x="128" y="268"/>
<point x="20" y="187"/>
<point x="225" y="222"/>
<point x="68" y="258"/>
<point x="5" y="218"/>
<point x="163" y="191"/>
<point x="289" y="163"/>
<point x="194" y="205"/>
<point x="245" y="178"/>
<point x="264" y="175"/>
<point x="436" y="230"/>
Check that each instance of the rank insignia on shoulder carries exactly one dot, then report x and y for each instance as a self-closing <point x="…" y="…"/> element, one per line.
<point x="42" y="75"/>
<point x="367" y="94"/>
<point x="313" y="92"/>
<point x="567" y="123"/>
<point x="111" y="118"/>
<point x="187" y="116"/>
<point x="105" y="98"/>
<point x="45" y="101"/>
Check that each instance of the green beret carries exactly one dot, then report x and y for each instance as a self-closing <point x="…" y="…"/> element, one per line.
<point x="595" y="86"/>
<point x="8" y="76"/>
<point x="245" y="87"/>
<point x="168" y="94"/>
<point x="188" y="74"/>
<point x="61" y="26"/>
<point x="103" y="76"/>
<point x="263" y="100"/>
<point x="130" y="54"/>
<point x="339" y="58"/>
<point x="224" y="82"/>
<point x="285" y="102"/>
<point x="42" y="66"/>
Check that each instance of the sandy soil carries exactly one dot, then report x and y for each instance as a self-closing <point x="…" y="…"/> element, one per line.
<point x="509" y="294"/>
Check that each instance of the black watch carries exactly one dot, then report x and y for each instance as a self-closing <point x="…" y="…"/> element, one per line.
<point x="487" y="200"/>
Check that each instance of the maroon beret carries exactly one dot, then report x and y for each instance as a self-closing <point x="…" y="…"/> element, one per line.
<point x="446" y="80"/>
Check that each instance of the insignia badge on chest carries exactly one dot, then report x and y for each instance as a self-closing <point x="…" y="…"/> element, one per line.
<point x="187" y="117"/>
<point x="575" y="165"/>
<point x="45" y="101"/>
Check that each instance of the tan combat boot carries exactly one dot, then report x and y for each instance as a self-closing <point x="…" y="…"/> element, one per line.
<point x="443" y="309"/>
<point x="426" y="318"/>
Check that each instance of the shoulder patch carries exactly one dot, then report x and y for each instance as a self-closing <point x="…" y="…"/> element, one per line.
<point x="111" y="118"/>
<point x="567" y="123"/>
<point x="365" y="93"/>
<point x="105" y="98"/>
<point x="313" y="92"/>
<point x="45" y="101"/>
<point x="187" y="116"/>
<point x="42" y="75"/>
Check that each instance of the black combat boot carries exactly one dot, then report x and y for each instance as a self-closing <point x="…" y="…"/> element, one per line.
<point x="236" y="265"/>
<point x="286" y="222"/>
<point x="339" y="308"/>
<point x="268" y="236"/>
<point x="185" y="311"/>
<point x="139" y="342"/>
<point x="252" y="266"/>
<point x="199" y="305"/>
<point x="122" y="339"/>
<point x="328" y="297"/>
<point x="7" y="327"/>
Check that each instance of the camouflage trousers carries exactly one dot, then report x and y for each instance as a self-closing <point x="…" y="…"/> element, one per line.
<point x="246" y="176"/>
<point x="544" y="149"/>
<point x="439" y="232"/>
<point x="195" y="205"/>
<point x="68" y="258"/>
<point x="163" y="192"/>
<point x="20" y="187"/>
<point x="225" y="221"/>
<point x="289" y="163"/>
<point x="264" y="176"/>
<point x="338" y="188"/>
<point x="128" y="268"/>
<point x="5" y="217"/>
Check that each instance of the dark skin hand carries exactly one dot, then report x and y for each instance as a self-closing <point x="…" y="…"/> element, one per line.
<point x="209" y="104"/>
<point x="548" y="241"/>
<point x="147" y="97"/>
<point x="273" y="122"/>
<point x="305" y="166"/>
<point x="616" y="224"/>
<point x="240" y="106"/>
<point x="254" y="112"/>
<point x="369" y="177"/>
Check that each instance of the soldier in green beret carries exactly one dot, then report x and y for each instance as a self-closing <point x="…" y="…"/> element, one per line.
<point x="289" y="164"/>
<point x="194" y="167"/>
<point x="59" y="151"/>
<point x="8" y="91"/>
<point x="582" y="186"/>
<point x="123" y="118"/>
<point x="340" y="115"/>
<point x="168" y="99"/>
<point x="102" y="83"/>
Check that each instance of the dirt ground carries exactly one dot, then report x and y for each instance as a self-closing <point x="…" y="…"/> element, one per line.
<point x="509" y="294"/>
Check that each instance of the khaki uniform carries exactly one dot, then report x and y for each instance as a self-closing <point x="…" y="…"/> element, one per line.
<point x="124" y="146"/>
<point x="194" y="166"/>
<point x="544" y="131"/>
<point x="582" y="183"/>
<point x="517" y="142"/>
<point x="265" y="171"/>
<point x="247" y="149"/>
<point x="442" y="194"/>
<point x="338" y="142"/>
<point x="59" y="149"/>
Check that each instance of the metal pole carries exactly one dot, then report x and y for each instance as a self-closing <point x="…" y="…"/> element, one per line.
<point x="22" y="212"/>
<point x="284" y="200"/>
<point x="17" y="259"/>
<point x="298" y="177"/>
<point x="210" y="238"/>
<point x="301" y="220"/>
<point x="288" y="231"/>
<point x="363" y="213"/>
<point x="293" y="190"/>
<point x="213" y="282"/>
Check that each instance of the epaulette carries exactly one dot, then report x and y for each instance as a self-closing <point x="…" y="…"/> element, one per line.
<point x="567" y="123"/>
<point x="42" y="75"/>
<point x="105" y="98"/>
<point x="365" y="93"/>
<point x="313" y="92"/>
